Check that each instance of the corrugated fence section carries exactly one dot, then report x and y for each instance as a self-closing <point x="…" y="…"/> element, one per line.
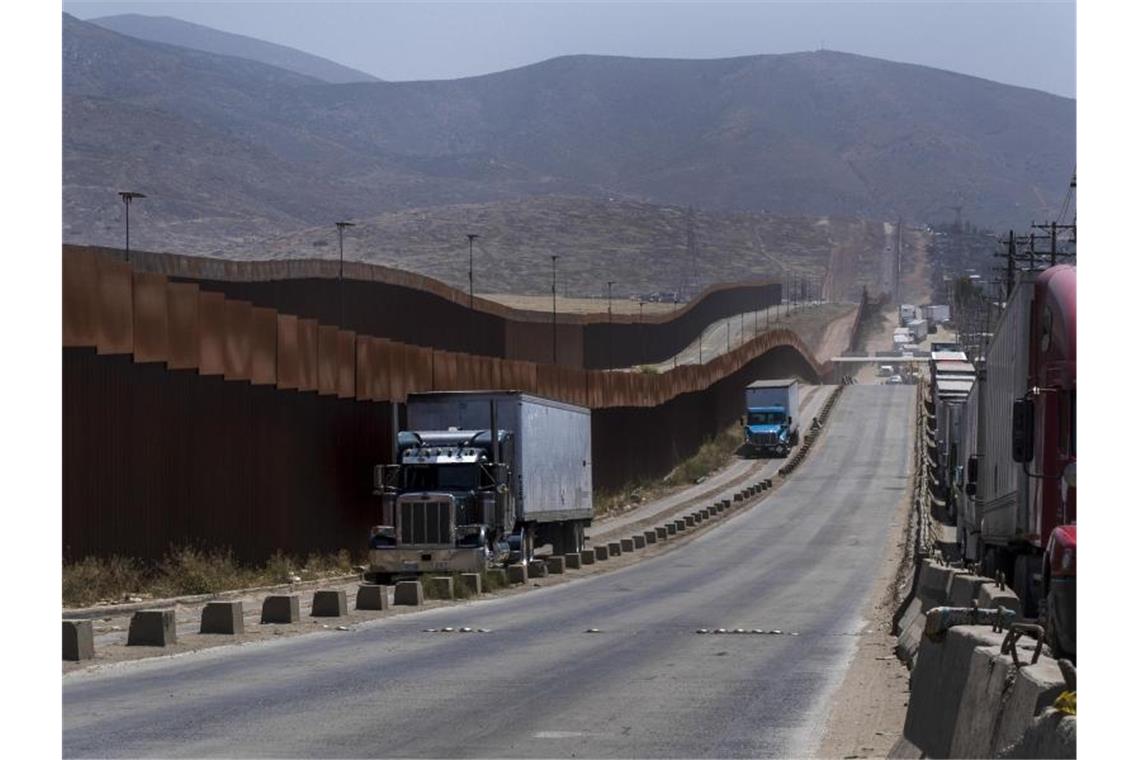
<point x="402" y="306"/>
<point x="190" y="417"/>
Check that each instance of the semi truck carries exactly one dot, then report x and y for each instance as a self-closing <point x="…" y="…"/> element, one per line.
<point x="481" y="479"/>
<point x="918" y="328"/>
<point x="772" y="416"/>
<point x="1017" y="507"/>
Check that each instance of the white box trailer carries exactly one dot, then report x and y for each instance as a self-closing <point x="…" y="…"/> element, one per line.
<point x="551" y="471"/>
<point x="1001" y="485"/>
<point x="937" y="313"/>
<point x="907" y="313"/>
<point x="763" y="431"/>
<point x="918" y="328"/>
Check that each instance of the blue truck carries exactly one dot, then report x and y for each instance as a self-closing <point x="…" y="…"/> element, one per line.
<point x="772" y="419"/>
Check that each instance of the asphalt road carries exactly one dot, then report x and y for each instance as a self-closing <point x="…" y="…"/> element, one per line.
<point x="537" y="684"/>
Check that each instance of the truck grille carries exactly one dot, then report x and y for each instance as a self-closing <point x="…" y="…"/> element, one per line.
<point x="425" y="523"/>
<point x="766" y="439"/>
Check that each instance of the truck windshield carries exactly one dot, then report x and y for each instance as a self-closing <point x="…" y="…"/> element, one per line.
<point x="765" y="418"/>
<point x="441" y="477"/>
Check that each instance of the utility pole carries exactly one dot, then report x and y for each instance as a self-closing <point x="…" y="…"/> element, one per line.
<point x="898" y="260"/>
<point x="554" y="309"/>
<point x="471" y="269"/>
<point x="128" y="196"/>
<point x="340" y="227"/>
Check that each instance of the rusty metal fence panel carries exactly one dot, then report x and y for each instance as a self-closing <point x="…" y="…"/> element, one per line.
<point x="211" y="334"/>
<point x="182" y="326"/>
<point x="263" y="346"/>
<point x="238" y="339"/>
<point x="326" y="360"/>
<point x="288" y="353"/>
<point x="80" y="308"/>
<point x="307" y="354"/>
<point x="151" y="340"/>
<point x="115" y="324"/>
<point x="346" y="364"/>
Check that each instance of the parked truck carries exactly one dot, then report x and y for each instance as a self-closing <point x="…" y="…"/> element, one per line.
<point x="907" y="313"/>
<point x="1018" y="507"/>
<point x="481" y="479"/>
<point x="772" y="421"/>
<point x="918" y="328"/>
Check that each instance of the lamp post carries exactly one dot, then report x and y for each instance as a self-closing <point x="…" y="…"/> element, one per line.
<point x="554" y="309"/>
<point x="340" y="227"/>
<point x="471" y="269"/>
<point x="127" y="197"/>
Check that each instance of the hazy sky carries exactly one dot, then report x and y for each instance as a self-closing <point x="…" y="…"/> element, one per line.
<point x="1032" y="44"/>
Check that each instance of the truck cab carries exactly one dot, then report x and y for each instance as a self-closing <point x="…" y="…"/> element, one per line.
<point x="445" y="507"/>
<point x="768" y="428"/>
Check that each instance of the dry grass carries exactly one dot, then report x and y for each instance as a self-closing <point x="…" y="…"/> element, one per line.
<point x="186" y="571"/>
<point x="711" y="456"/>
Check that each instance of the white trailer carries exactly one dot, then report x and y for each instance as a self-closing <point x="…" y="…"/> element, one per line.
<point x="918" y="328"/>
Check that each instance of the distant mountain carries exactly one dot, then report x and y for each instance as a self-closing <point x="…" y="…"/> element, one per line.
<point x="173" y="31"/>
<point x="232" y="151"/>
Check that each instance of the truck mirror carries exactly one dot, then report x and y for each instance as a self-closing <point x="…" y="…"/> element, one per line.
<point x="971" y="472"/>
<point x="971" y="489"/>
<point x="1022" y="438"/>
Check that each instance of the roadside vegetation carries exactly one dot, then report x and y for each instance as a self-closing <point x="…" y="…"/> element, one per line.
<point x="710" y="457"/>
<point x="185" y="571"/>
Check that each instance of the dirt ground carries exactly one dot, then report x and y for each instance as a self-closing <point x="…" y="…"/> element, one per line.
<point x="579" y="305"/>
<point x="869" y="708"/>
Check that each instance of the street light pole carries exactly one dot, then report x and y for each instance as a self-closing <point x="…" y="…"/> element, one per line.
<point x="340" y="226"/>
<point x="127" y="197"/>
<point x="554" y="309"/>
<point x="471" y="270"/>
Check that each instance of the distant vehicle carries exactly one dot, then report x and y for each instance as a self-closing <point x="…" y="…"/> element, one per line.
<point x="886" y="370"/>
<point x="918" y="328"/>
<point x="907" y="313"/>
<point x="481" y="478"/>
<point x="895" y="380"/>
<point x="937" y="313"/>
<point x="772" y="421"/>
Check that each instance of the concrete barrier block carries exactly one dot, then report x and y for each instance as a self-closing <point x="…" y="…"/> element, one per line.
<point x="964" y="589"/>
<point x="934" y="584"/>
<point x="516" y="574"/>
<point x="409" y="594"/>
<point x="556" y="565"/>
<point x="639" y="540"/>
<point x="78" y="640"/>
<point x="690" y="521"/>
<point x="573" y="561"/>
<point x="537" y="569"/>
<point x="328" y="603"/>
<point x="1034" y="688"/>
<point x="1052" y="734"/>
<point x="471" y="583"/>
<point x="371" y="597"/>
<point x="671" y="528"/>
<point x="152" y="628"/>
<point x="911" y="625"/>
<point x="497" y="576"/>
<point x="615" y="548"/>
<point x="281" y="608"/>
<point x="589" y="556"/>
<point x="662" y="532"/>
<point x="938" y="682"/>
<point x="649" y="537"/>
<point x="991" y="597"/>
<point x="627" y="544"/>
<point x="704" y="513"/>
<point x="223" y="617"/>
<point x="980" y="710"/>
<point x="439" y="587"/>
<point x="738" y="496"/>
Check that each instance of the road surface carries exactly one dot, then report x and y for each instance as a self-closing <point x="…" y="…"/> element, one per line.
<point x="537" y="683"/>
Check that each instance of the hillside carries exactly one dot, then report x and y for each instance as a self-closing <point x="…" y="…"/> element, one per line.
<point x="232" y="151"/>
<point x="643" y="248"/>
<point x="173" y="31"/>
